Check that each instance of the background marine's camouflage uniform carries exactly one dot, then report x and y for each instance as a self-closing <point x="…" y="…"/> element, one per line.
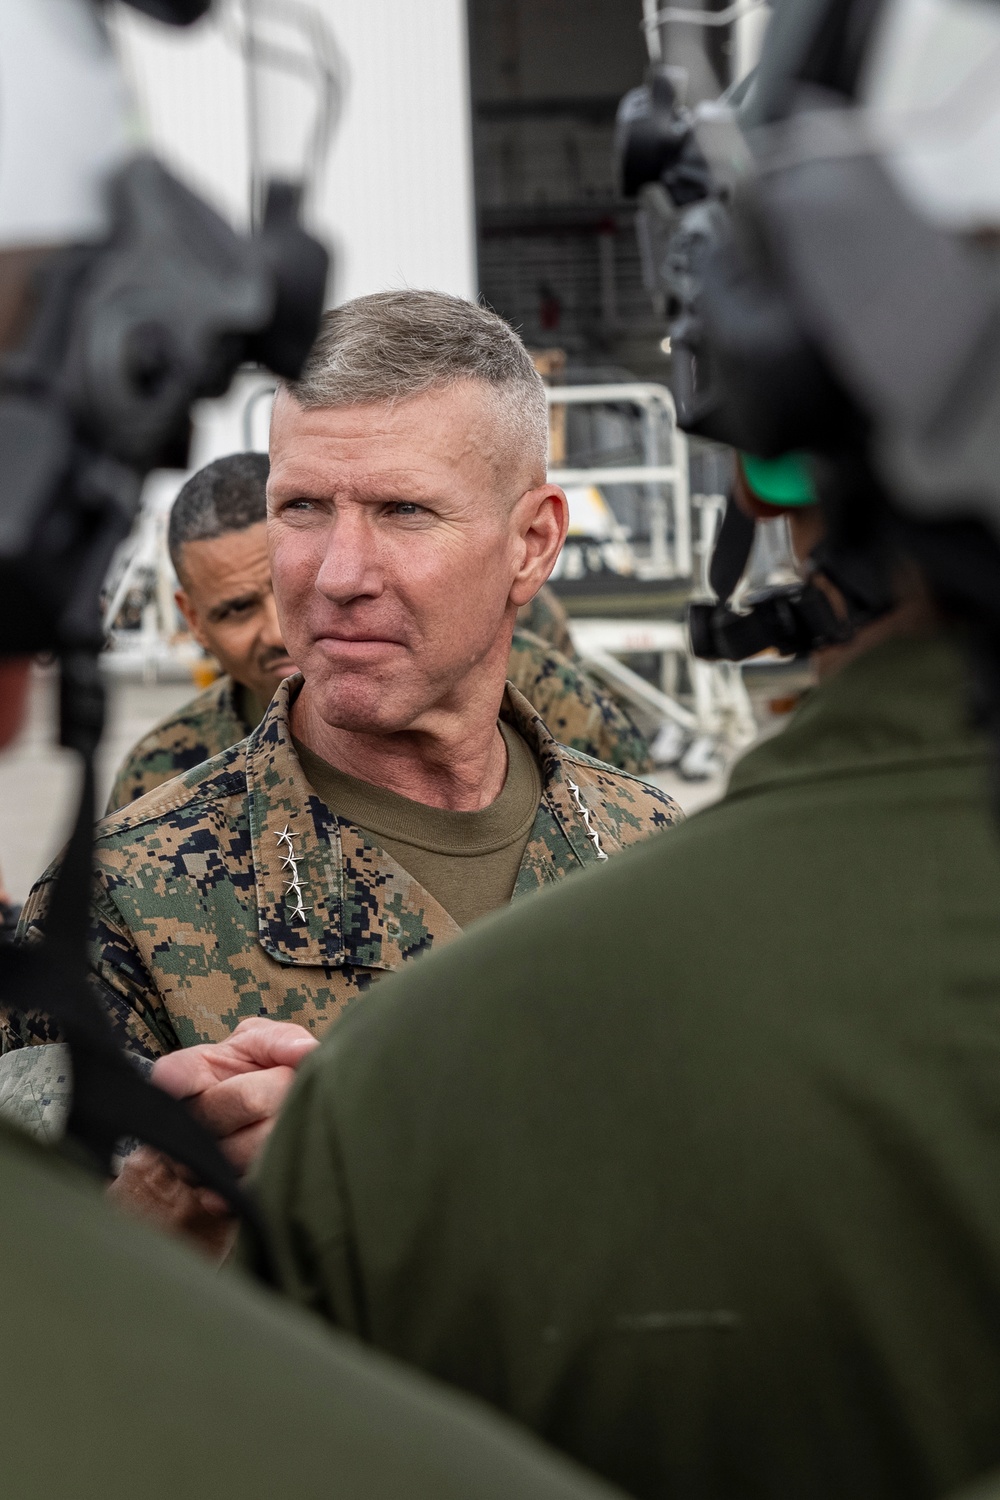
<point x="579" y="715"/>
<point x="234" y="891"/>
<point x="546" y="617"/>
<point x="202" y="728"/>
<point x="576" y="712"/>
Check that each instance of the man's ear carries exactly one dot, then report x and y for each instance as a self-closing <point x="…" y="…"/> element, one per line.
<point x="541" y="518"/>
<point x="190" y="614"/>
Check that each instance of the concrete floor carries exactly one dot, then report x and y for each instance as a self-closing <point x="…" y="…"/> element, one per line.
<point x="38" y="781"/>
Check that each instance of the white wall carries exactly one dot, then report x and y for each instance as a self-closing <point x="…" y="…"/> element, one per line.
<point x="396" y="200"/>
<point x="399" y="188"/>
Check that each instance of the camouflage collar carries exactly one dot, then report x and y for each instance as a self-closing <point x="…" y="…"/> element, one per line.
<point x="559" y="789"/>
<point x="221" y="699"/>
<point x="326" y="893"/>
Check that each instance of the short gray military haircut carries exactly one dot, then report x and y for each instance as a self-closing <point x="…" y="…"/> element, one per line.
<point x="391" y="346"/>
<point x="227" y="495"/>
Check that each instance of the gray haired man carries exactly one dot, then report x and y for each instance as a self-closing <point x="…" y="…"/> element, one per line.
<point x="400" y="788"/>
<point x="218" y="546"/>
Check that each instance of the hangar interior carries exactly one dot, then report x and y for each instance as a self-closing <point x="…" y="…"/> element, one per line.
<point x="557" y="247"/>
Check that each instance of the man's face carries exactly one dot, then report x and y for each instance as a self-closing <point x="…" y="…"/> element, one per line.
<point x="395" y="543"/>
<point x="227" y="600"/>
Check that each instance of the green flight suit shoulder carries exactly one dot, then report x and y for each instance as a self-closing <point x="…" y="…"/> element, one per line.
<point x="573" y="708"/>
<point x="131" y="1370"/>
<point x="986" y="1489"/>
<point x="700" y="1182"/>
<point x="234" y="891"/>
<point x="196" y="732"/>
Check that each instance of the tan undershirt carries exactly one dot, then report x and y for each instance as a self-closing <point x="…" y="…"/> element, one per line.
<point x="468" y="861"/>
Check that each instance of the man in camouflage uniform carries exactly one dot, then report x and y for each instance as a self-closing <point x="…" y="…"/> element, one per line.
<point x="579" y="714"/>
<point x="407" y="524"/>
<point x="196" y="923"/>
<point x="218" y="547"/>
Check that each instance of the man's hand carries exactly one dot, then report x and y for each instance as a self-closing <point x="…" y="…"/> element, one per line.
<point x="155" y="1189"/>
<point x="237" y="1087"/>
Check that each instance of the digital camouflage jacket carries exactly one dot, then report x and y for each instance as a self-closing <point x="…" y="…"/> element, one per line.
<point x="577" y="712"/>
<point x="545" y="616"/>
<point x="234" y="891"/>
<point x="195" y="732"/>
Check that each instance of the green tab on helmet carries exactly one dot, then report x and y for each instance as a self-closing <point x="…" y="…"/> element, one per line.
<point x="779" y="481"/>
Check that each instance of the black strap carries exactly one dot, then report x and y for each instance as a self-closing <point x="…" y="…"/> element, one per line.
<point x="111" y="1098"/>
<point x="731" y="550"/>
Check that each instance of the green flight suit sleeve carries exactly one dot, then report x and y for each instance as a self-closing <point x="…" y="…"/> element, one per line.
<point x="305" y="1205"/>
<point x="986" y="1489"/>
<point x="131" y="1370"/>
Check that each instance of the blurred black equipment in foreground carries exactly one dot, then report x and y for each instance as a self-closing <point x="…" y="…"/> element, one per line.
<point x="796" y="618"/>
<point x="836" y="293"/>
<point x="125" y="335"/>
<point x="174" y="12"/>
<point x="655" y="142"/>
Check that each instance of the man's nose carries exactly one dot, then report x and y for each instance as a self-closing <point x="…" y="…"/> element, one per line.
<point x="271" y="633"/>
<point x="351" y="568"/>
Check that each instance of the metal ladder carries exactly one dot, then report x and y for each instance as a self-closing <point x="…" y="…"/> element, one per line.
<point x="716" y="721"/>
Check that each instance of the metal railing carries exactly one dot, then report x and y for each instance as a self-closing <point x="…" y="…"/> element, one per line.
<point x="711" y="718"/>
<point x="669" y="519"/>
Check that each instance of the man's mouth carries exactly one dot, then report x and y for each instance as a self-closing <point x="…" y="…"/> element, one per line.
<point x="357" y="645"/>
<point x="360" y="640"/>
<point x="347" y="638"/>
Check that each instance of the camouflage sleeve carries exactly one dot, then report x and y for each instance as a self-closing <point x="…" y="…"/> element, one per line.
<point x="138" y="774"/>
<point x="118" y="975"/>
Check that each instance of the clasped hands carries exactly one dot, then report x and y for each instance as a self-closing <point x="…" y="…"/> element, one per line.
<point x="236" y="1089"/>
